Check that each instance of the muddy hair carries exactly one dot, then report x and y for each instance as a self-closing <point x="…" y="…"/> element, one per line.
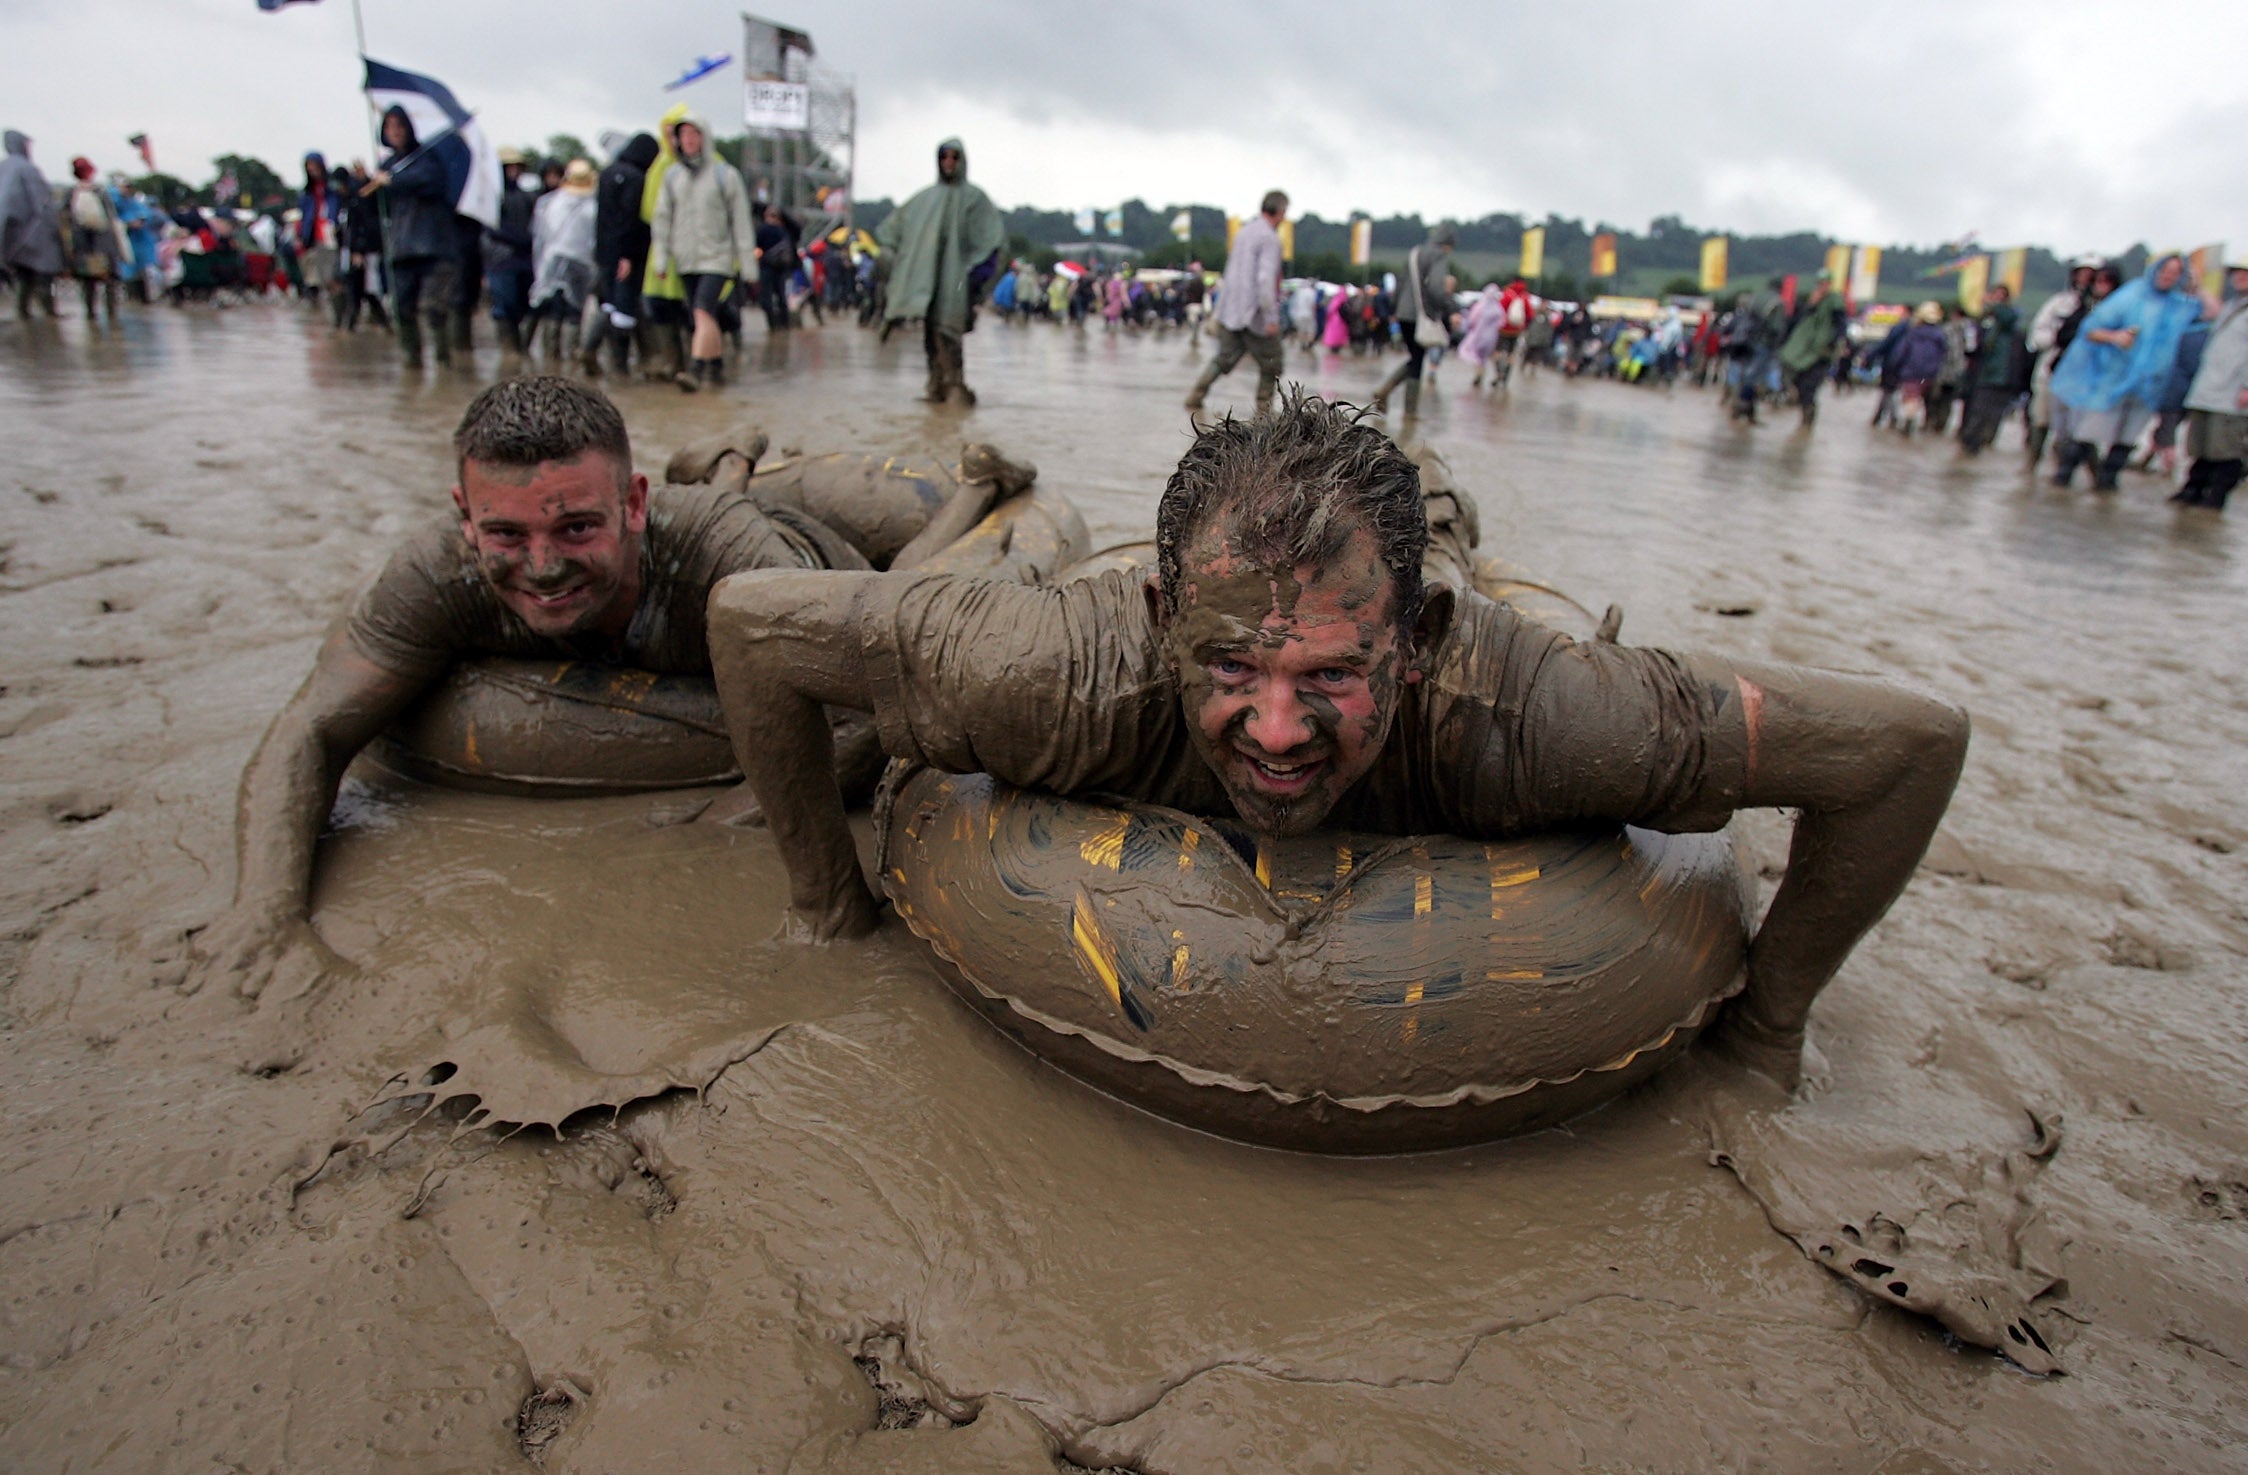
<point x="1290" y="488"/>
<point x="537" y="418"/>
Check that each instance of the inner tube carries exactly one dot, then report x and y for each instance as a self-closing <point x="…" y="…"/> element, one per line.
<point x="1339" y="993"/>
<point x="579" y="727"/>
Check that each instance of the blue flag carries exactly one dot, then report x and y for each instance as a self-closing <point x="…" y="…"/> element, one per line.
<point x="703" y="67"/>
<point x="447" y="130"/>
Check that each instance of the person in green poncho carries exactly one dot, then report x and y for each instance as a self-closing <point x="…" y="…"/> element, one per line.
<point x="943" y="246"/>
<point x="1806" y="354"/>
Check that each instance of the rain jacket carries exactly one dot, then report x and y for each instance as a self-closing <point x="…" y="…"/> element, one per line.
<point x="619" y="234"/>
<point x="1812" y="338"/>
<point x="2001" y="357"/>
<point x="562" y="246"/>
<point x="2099" y="376"/>
<point x="935" y="241"/>
<point x="320" y="210"/>
<point x="30" y="223"/>
<point x="1918" y="356"/>
<point x="661" y="280"/>
<point x="702" y="216"/>
<point x="2224" y="363"/>
<point x="420" y="201"/>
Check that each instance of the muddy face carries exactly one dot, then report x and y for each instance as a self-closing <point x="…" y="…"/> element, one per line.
<point x="559" y="542"/>
<point x="1289" y="677"/>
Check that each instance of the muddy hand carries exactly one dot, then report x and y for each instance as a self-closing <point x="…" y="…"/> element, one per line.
<point x="267" y="953"/>
<point x="852" y="913"/>
<point x="1775" y="1054"/>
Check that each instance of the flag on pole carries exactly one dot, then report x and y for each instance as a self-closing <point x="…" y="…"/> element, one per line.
<point x="1974" y="280"/>
<point x="2013" y="267"/>
<point x="703" y="67"/>
<point x="1182" y="225"/>
<point x="147" y="151"/>
<point x="1865" y="274"/>
<point x="1714" y="253"/>
<point x="1604" y="255"/>
<point x="1533" y="253"/>
<point x="447" y="130"/>
<point x="1361" y="241"/>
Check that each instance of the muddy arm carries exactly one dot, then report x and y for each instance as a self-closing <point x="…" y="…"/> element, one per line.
<point x="783" y="644"/>
<point x="285" y="797"/>
<point x="1870" y="767"/>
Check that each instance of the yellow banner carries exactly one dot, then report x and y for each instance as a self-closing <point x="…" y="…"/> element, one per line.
<point x="1361" y="242"/>
<point x="1603" y="255"/>
<point x="1287" y="240"/>
<point x="2207" y="264"/>
<point x="1713" y="263"/>
<point x="1974" y="280"/>
<point x="1865" y="274"/>
<point x="2013" y="266"/>
<point x="1533" y="252"/>
<point x="1232" y="229"/>
<point x="1838" y="265"/>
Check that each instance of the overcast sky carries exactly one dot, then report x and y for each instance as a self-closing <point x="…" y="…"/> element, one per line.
<point x="2067" y="123"/>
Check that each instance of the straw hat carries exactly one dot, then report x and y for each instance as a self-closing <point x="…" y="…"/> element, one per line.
<point x="578" y="178"/>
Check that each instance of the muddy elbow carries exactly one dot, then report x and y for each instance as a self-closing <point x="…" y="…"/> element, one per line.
<point x="1941" y="734"/>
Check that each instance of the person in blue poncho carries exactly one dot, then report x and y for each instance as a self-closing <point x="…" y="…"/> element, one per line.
<point x="2110" y="380"/>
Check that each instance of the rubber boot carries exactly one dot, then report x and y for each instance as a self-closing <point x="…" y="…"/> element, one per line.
<point x="651" y="351"/>
<point x="441" y="338"/>
<point x="2110" y="467"/>
<point x="620" y="351"/>
<point x="464" y="330"/>
<point x="1195" y="396"/>
<point x="1264" y="407"/>
<point x="2072" y="454"/>
<point x="2036" y="448"/>
<point x="550" y="341"/>
<point x="593" y="323"/>
<point x="1381" y="395"/>
<point x="1412" y="399"/>
<point x="409" y="340"/>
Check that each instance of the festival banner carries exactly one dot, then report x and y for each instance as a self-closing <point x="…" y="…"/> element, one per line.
<point x="1714" y="250"/>
<point x="1361" y="242"/>
<point x="1115" y="223"/>
<point x="2207" y="264"/>
<point x="776" y="107"/>
<point x="1232" y="229"/>
<point x="1974" y="280"/>
<point x="1865" y="274"/>
<point x="1533" y="253"/>
<point x="1182" y="226"/>
<point x="2013" y="266"/>
<point x="1603" y="256"/>
<point x="1287" y="240"/>
<point x="1086" y="219"/>
<point x="1838" y="265"/>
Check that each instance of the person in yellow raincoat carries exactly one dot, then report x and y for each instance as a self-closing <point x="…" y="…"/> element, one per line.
<point x="663" y="323"/>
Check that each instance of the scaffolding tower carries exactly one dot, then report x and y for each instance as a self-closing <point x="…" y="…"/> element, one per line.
<point x="801" y="121"/>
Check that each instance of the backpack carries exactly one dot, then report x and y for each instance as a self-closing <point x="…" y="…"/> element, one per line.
<point x="88" y="209"/>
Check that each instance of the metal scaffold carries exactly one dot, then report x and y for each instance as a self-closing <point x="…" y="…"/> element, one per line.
<point x="801" y="120"/>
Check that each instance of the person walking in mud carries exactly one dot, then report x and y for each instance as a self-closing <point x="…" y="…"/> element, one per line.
<point x="1286" y="661"/>
<point x="555" y="549"/>
<point x="943" y="248"/>
<point x="30" y="228"/>
<point x="1249" y="306"/>
<point x="1424" y="315"/>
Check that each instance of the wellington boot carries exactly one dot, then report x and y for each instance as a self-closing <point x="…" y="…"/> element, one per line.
<point x="2110" y="467"/>
<point x="593" y="324"/>
<point x="464" y="330"/>
<point x="1194" y="396"/>
<point x="1412" y="399"/>
<point x="1381" y="395"/>
<point x="2072" y="454"/>
<point x="550" y="341"/>
<point x="2035" y="451"/>
<point x="441" y="341"/>
<point x="409" y="341"/>
<point x="620" y="352"/>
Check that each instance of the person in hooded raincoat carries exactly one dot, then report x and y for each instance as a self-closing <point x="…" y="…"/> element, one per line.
<point x="702" y="231"/>
<point x="424" y="248"/>
<point x="663" y="296"/>
<point x="942" y="245"/>
<point x="620" y="255"/>
<point x="2107" y="383"/>
<point x="563" y="276"/>
<point x="1809" y="344"/>
<point x="30" y="227"/>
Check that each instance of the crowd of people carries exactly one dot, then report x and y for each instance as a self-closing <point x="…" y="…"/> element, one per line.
<point x="653" y="259"/>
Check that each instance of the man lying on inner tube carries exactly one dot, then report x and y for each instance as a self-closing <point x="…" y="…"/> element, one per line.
<point x="557" y="550"/>
<point x="1283" y="658"/>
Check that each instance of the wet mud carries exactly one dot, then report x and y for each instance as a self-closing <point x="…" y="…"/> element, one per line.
<point x="578" y="1170"/>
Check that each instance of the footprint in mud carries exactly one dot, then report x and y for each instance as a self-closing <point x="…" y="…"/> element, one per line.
<point x="543" y="1417"/>
<point x="906" y="1401"/>
<point x="2224" y="1200"/>
<point x="1975" y="1308"/>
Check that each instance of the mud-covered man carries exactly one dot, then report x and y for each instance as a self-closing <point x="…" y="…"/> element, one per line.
<point x="556" y="549"/>
<point x="1286" y="660"/>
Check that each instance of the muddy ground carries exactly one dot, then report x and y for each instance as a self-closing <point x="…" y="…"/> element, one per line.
<point x="828" y="1220"/>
